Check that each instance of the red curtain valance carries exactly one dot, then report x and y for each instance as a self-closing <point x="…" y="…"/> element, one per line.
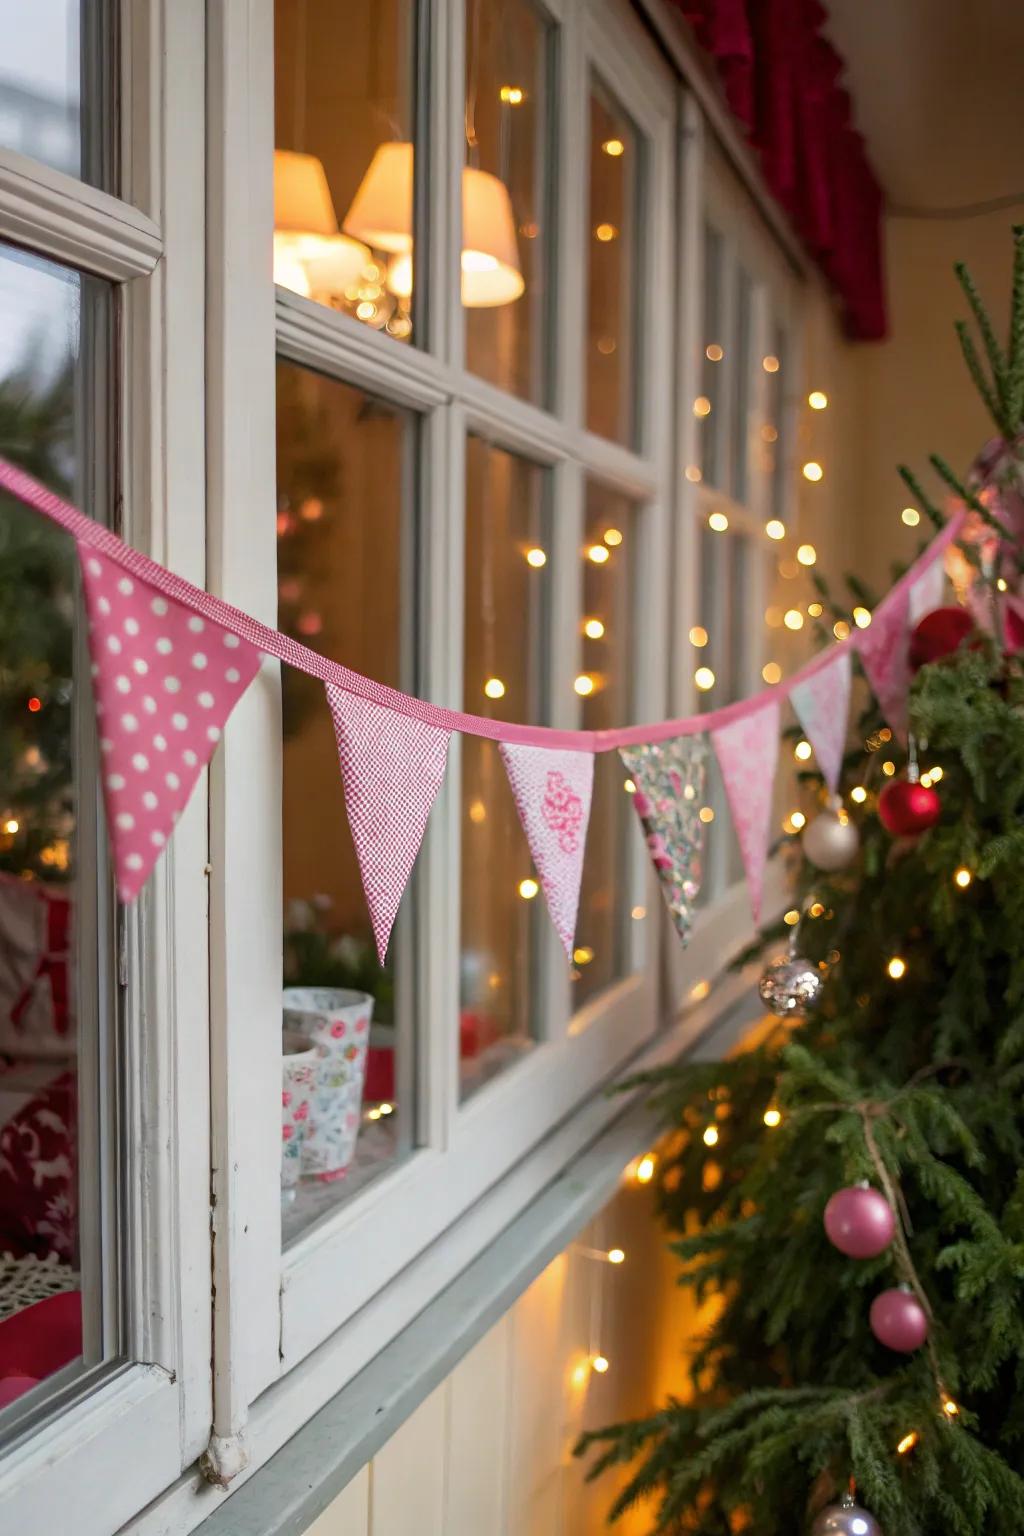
<point x="781" y="80"/>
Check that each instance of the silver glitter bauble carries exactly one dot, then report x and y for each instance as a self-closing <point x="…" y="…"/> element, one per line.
<point x="845" y="1519"/>
<point x="831" y="842"/>
<point x="791" y="986"/>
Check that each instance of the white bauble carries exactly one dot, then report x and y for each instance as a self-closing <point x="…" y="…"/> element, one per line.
<point x="831" y="842"/>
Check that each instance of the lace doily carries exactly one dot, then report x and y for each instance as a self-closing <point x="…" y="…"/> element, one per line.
<point x="27" y="1280"/>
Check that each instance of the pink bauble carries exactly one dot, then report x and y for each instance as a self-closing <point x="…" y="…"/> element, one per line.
<point x="859" y="1222"/>
<point x="898" y="1321"/>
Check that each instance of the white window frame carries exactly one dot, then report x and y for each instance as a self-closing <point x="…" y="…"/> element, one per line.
<point x="110" y="1451"/>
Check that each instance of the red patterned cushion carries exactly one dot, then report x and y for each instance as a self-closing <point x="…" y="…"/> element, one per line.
<point x="38" y="1185"/>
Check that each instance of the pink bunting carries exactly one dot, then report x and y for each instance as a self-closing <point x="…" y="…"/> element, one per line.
<point x="884" y="654"/>
<point x="392" y="767"/>
<point x="748" y="750"/>
<point x="165" y="682"/>
<point x="926" y="592"/>
<point x="552" y="791"/>
<point x="822" y="704"/>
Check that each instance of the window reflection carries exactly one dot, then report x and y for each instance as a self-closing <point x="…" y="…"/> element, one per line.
<point x="505" y="194"/>
<point x="507" y="584"/>
<point x="612" y="270"/>
<point x="725" y="609"/>
<point x="56" y="68"/>
<point x="605" y="685"/>
<point x="717" y="363"/>
<point x="345" y="588"/>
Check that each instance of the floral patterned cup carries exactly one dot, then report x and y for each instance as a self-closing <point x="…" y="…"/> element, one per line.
<point x="298" y="1082"/>
<point x="336" y="1023"/>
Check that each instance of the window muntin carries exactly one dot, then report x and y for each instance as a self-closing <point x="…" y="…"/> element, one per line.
<point x="60" y="1155"/>
<point x="507" y="202"/>
<point x="615" y="179"/>
<point x="346" y="548"/>
<point x="345" y="161"/>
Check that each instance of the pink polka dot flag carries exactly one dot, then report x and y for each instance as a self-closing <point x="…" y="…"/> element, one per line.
<point x="552" y="791"/>
<point x="884" y="655"/>
<point x="165" y="682"/>
<point x="822" y="704"/>
<point x="748" y="751"/>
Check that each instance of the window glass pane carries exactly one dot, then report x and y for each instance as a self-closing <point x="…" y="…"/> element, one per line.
<point x="741" y="381"/>
<point x="345" y="565"/>
<point x="507" y="578"/>
<point x="708" y="406"/>
<point x="773" y="430"/>
<point x="605" y="686"/>
<point x="58" y="1255"/>
<point x="721" y="677"/>
<point x="344" y="86"/>
<point x="56" y="74"/>
<point x="612" y="269"/>
<point x="505" y="235"/>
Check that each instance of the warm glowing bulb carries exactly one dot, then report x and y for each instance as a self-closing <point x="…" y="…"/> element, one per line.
<point x="579" y="1375"/>
<point x="815" y="610"/>
<point x="771" y="672"/>
<point x="511" y="94"/>
<point x="536" y="558"/>
<point x="897" y="968"/>
<point x="698" y="636"/>
<point x="638" y="914"/>
<point x="772" y="1118"/>
<point x="629" y="787"/>
<point x="593" y="629"/>
<point x="858" y="793"/>
<point x="614" y="148"/>
<point x="817" y="400"/>
<point x="950" y="1408"/>
<point x="598" y="553"/>
<point x="926" y="780"/>
<point x="494" y="688"/>
<point x="774" y="529"/>
<point x="798" y="820"/>
<point x="704" y="678"/>
<point x="813" y="471"/>
<point x="600" y="1364"/>
<point x="911" y="516"/>
<point x="711" y="1136"/>
<point x="706" y="815"/>
<point x="605" y="233"/>
<point x="612" y="537"/>
<point x="791" y="918"/>
<point x="702" y="406"/>
<point x="528" y="889"/>
<point x="645" y="1169"/>
<point x="583" y="954"/>
<point x="713" y="352"/>
<point x="700" y="990"/>
<point x="936" y="774"/>
<point x="584" y="684"/>
<point x="793" y="619"/>
<point x="477" y="812"/>
<point x="861" y="617"/>
<point x="802" y="751"/>
<point x="11" y="826"/>
<point x="718" y="522"/>
<point x="387" y="1109"/>
<point x="907" y="1443"/>
<point x="693" y="473"/>
<point x="841" y="629"/>
<point x="1000" y="583"/>
<point x="888" y="768"/>
<point x="770" y="364"/>
<point x="807" y="554"/>
<point x="963" y="878"/>
<point x="615" y="1256"/>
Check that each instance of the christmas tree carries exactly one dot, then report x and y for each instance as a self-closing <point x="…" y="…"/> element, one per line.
<point x="864" y="1178"/>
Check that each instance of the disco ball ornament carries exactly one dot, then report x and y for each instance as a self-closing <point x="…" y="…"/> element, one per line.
<point x="940" y="633"/>
<point x="791" y="986"/>
<point x="907" y="808"/>
<point x="845" y="1519"/>
<point x="898" y="1320"/>
<point x="831" y="841"/>
<point x="859" y="1222"/>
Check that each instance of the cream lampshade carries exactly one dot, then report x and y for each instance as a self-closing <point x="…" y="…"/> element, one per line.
<point x="381" y="211"/>
<point x="302" y="198"/>
<point x="490" y="256"/>
<point x="310" y="256"/>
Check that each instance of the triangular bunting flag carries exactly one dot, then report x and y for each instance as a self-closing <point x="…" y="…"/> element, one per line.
<point x="552" y="791"/>
<point x="392" y="767"/>
<point x="884" y="655"/>
<point x="165" y="682"/>
<point x="748" y="750"/>
<point x="822" y="704"/>
<point x="669" y="779"/>
<point x="926" y="592"/>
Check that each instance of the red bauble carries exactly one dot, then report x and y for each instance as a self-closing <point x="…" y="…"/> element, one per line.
<point x="938" y="634"/>
<point x="907" y="809"/>
<point x="898" y="1321"/>
<point x="859" y="1222"/>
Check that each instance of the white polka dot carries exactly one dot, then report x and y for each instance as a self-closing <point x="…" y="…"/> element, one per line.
<point x="199" y="661"/>
<point x="172" y="685"/>
<point x="133" y="861"/>
<point x="140" y="762"/>
<point x="129" y="722"/>
<point x="106" y="745"/>
<point x="150" y="800"/>
<point x="190" y="758"/>
<point x="149" y="704"/>
<point x="125" y="821"/>
<point x="113" y="644"/>
<point x="164" y="646"/>
<point x="141" y="667"/>
<point x="95" y="569"/>
<point x="213" y="733"/>
<point x="232" y="642"/>
<point x="180" y="722"/>
<point x="158" y="606"/>
<point x="131" y="626"/>
<point x="160" y="742"/>
<point x="125" y="586"/>
<point x="172" y="781"/>
<point x="94" y="670"/>
<point x="103" y="605"/>
<point x="123" y="684"/>
<point x="157" y="839"/>
<point x="196" y="624"/>
<point x="115" y="781"/>
<point x="233" y="675"/>
<point x="206" y="700"/>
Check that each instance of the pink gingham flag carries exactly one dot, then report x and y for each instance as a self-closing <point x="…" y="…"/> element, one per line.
<point x="748" y="751"/>
<point x="822" y="704"/>
<point x="392" y="767"/>
<point x="552" y="791"/>
<point x="885" y="656"/>
<point x="165" y="682"/>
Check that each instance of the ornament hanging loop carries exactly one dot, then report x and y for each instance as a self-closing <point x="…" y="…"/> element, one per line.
<point x="913" y="771"/>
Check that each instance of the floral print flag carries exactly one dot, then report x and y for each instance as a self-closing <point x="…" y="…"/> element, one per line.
<point x="669" y="779"/>
<point x="552" y="791"/>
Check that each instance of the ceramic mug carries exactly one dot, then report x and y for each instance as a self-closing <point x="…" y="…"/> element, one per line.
<point x="299" y="1064"/>
<point x="336" y="1023"/>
